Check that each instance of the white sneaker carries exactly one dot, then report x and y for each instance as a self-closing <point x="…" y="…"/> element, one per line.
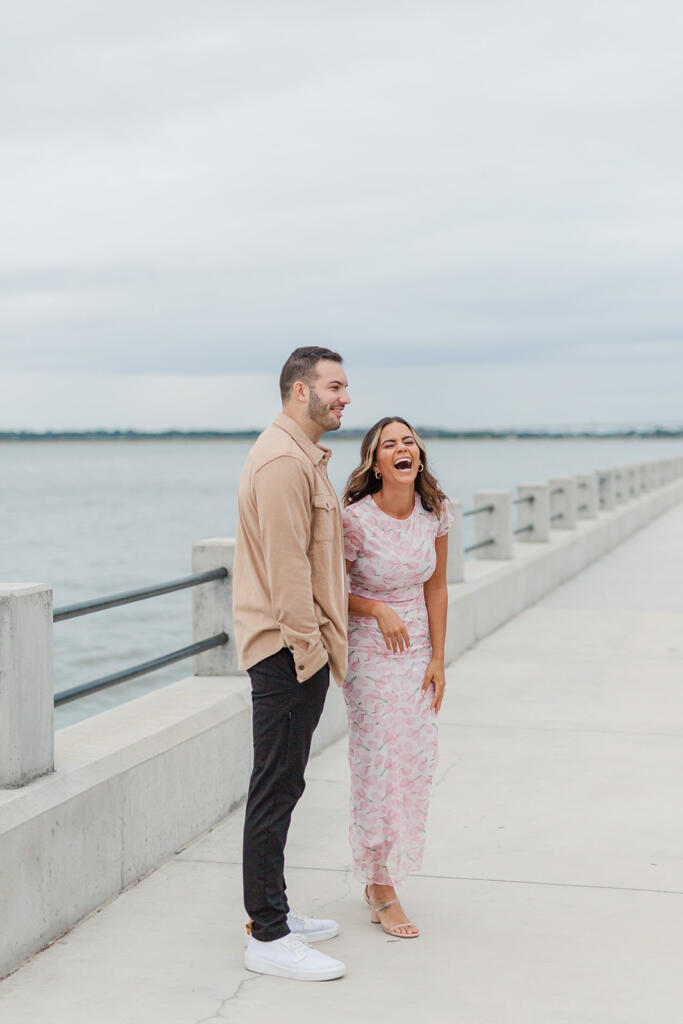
<point x="291" y="957"/>
<point x="312" y="929"/>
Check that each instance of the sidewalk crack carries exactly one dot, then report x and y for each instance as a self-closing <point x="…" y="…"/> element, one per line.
<point x="219" y="1015"/>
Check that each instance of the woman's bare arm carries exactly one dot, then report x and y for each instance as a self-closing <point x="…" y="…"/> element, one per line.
<point x="391" y="625"/>
<point x="436" y="599"/>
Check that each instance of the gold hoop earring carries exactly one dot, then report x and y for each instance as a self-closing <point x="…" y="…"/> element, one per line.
<point x="378" y="475"/>
<point x="421" y="468"/>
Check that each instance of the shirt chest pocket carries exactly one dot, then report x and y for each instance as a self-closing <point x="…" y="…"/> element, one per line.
<point x="322" y="525"/>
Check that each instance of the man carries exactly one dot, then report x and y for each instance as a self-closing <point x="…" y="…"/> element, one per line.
<point x="290" y="608"/>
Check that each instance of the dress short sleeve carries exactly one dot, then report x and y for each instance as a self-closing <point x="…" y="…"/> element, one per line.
<point x="353" y="534"/>
<point x="446" y="520"/>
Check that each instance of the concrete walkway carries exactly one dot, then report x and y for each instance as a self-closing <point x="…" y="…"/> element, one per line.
<point x="552" y="888"/>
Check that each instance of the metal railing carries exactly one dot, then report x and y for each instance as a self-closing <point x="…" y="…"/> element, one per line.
<point x="478" y="511"/>
<point x="481" y="544"/>
<point x="72" y="611"/>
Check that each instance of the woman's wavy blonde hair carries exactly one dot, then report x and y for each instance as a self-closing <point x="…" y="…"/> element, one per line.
<point x="363" y="480"/>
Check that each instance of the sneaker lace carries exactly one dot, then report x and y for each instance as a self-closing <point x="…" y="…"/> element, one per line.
<point x="296" y="944"/>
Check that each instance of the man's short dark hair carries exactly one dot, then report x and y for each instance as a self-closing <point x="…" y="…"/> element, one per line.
<point x="301" y="366"/>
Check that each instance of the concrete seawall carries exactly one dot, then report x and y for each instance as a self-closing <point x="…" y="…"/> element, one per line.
<point x="134" y="784"/>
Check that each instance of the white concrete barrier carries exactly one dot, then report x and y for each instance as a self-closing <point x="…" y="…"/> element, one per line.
<point x="533" y="514"/>
<point x="562" y="503"/>
<point x="135" y="783"/>
<point x="493" y="524"/>
<point x="26" y="687"/>
<point x="494" y="592"/>
<point x="212" y="607"/>
<point x="455" y="569"/>
<point x="621" y="492"/>
<point x="606" y="490"/>
<point x="587" y="502"/>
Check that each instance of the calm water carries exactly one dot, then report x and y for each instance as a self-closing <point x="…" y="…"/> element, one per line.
<point x="92" y="518"/>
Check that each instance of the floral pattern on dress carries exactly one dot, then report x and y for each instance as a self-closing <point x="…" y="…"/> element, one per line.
<point x="392" y="731"/>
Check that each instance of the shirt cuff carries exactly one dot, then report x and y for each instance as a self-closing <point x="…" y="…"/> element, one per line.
<point x="307" y="662"/>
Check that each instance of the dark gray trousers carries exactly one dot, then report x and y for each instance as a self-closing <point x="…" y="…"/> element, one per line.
<point x="285" y="714"/>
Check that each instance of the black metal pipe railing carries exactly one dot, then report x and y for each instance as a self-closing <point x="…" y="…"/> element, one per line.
<point x="558" y="515"/>
<point x="523" y="529"/>
<point x="481" y="544"/>
<point x="476" y="511"/>
<point x="557" y="490"/>
<point x="71" y="611"/>
<point x="530" y="498"/>
<point x="64" y="696"/>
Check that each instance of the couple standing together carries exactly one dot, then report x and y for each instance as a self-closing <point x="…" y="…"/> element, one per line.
<point x="381" y="637"/>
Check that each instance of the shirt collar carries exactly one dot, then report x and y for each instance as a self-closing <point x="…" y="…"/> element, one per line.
<point x="316" y="452"/>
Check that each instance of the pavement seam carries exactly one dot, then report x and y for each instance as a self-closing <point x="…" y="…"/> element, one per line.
<point x="557" y="728"/>
<point x="463" y="878"/>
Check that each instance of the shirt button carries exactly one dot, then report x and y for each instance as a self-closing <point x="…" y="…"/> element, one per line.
<point x="300" y="667"/>
<point x="291" y="648"/>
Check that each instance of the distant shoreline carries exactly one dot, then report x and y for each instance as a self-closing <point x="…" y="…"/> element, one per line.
<point x="429" y="433"/>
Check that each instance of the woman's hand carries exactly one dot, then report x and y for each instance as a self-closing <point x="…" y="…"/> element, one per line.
<point x="435" y="674"/>
<point x="392" y="627"/>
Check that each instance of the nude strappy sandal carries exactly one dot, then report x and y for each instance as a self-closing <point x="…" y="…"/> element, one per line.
<point x="375" y="911"/>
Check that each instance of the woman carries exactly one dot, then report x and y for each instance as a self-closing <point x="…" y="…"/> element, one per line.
<point x="395" y="543"/>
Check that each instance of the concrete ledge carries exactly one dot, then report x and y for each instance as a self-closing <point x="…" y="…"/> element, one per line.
<point x="138" y="782"/>
<point x="495" y="591"/>
<point x="131" y="787"/>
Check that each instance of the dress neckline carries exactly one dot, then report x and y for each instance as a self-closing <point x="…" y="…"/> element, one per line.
<point x="394" y="519"/>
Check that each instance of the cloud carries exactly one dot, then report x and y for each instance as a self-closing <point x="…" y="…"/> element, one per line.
<point x="198" y="189"/>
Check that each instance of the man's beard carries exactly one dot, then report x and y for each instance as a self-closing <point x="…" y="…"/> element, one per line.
<point x="321" y="413"/>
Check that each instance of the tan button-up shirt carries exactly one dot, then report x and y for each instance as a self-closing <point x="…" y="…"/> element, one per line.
<point x="289" y="580"/>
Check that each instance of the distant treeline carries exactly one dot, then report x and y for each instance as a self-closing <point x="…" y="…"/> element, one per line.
<point x="241" y="435"/>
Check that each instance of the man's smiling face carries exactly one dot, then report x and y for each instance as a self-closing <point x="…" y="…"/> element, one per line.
<point x="328" y="395"/>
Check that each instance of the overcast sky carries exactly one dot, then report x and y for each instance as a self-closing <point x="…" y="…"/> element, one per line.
<point x="480" y="204"/>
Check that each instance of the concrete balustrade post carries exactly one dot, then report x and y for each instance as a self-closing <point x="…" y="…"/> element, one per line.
<point x="653" y="476"/>
<point x="533" y="510"/>
<point x="643" y="483"/>
<point x="212" y="607"/>
<point x="620" y="485"/>
<point x="495" y="525"/>
<point x="633" y="483"/>
<point x="26" y="683"/>
<point x="455" y="567"/>
<point x="562" y="503"/>
<point x="587" y="503"/>
<point x="606" y="489"/>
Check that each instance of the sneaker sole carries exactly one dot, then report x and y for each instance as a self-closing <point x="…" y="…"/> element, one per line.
<point x="259" y="966"/>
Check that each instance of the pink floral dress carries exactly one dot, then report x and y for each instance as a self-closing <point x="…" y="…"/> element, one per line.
<point x="392" y="731"/>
